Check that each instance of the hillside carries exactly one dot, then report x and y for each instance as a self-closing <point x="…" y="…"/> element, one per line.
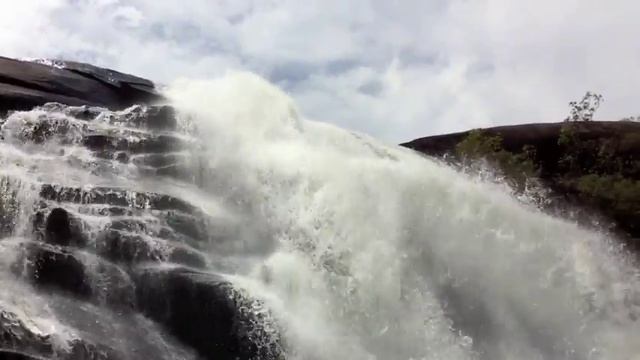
<point x="592" y="169"/>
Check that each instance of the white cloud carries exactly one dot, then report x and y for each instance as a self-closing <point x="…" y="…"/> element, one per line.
<point x="395" y="69"/>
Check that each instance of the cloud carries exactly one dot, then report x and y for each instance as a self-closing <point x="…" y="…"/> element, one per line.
<point x="394" y="69"/>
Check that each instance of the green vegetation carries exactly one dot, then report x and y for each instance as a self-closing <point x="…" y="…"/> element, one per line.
<point x="603" y="173"/>
<point x="516" y="167"/>
<point x="596" y="168"/>
<point x="615" y="191"/>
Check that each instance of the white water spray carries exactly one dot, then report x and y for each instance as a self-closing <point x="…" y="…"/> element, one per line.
<point x="369" y="251"/>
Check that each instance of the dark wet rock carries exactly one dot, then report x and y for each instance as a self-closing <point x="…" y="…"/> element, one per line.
<point x="24" y="85"/>
<point x="111" y="77"/>
<point x="143" y="145"/>
<point x="58" y="227"/>
<point x="83" y="275"/>
<point x="122" y="157"/>
<point x="83" y="112"/>
<point x="156" y="228"/>
<point x="115" y="197"/>
<point x="160" y="118"/>
<point x="187" y="256"/>
<point x="131" y="225"/>
<point x="18" y="341"/>
<point x="17" y="338"/>
<point x="102" y="143"/>
<point x="174" y="171"/>
<point x="127" y="247"/>
<point x="159" y="160"/>
<point x="132" y="248"/>
<point x="13" y="355"/>
<point x="53" y="267"/>
<point x="109" y="211"/>
<point x="41" y="128"/>
<point x="193" y="227"/>
<point x="110" y="284"/>
<point x="205" y="312"/>
<point x="153" y="118"/>
<point x="174" y="165"/>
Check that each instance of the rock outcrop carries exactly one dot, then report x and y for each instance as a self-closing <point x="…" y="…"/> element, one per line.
<point x="591" y="168"/>
<point x="123" y="266"/>
<point x="25" y="84"/>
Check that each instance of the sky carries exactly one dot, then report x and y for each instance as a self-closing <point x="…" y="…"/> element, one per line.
<point x="394" y="69"/>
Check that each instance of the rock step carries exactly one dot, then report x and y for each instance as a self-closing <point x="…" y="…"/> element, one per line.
<point x="131" y="248"/>
<point x="158" y="118"/>
<point x="138" y="130"/>
<point x="160" y="160"/>
<point x="156" y="228"/>
<point x="107" y="210"/>
<point x="116" y="197"/>
<point x="151" y="117"/>
<point x="124" y="240"/>
<point x="174" y="226"/>
<point x="179" y="166"/>
<point x="71" y="271"/>
<point x="84" y="112"/>
<point x="106" y="144"/>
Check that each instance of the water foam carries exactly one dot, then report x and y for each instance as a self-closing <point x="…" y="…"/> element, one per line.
<point x="369" y="251"/>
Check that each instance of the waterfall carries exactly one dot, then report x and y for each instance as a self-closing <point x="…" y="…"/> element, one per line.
<point x="321" y="243"/>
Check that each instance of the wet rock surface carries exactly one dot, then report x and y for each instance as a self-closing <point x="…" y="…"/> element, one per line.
<point x="203" y="310"/>
<point x="123" y="266"/>
<point x="21" y="342"/>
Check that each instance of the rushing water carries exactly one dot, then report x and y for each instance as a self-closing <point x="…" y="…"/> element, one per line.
<point x="358" y="249"/>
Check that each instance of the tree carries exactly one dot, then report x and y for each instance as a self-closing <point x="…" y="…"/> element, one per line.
<point x="584" y="109"/>
<point x="631" y="118"/>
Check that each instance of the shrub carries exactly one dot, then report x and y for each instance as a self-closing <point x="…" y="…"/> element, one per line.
<point x="517" y="168"/>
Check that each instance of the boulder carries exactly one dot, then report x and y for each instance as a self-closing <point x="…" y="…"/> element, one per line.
<point x="204" y="311"/>
<point x="49" y="266"/>
<point x="58" y="227"/>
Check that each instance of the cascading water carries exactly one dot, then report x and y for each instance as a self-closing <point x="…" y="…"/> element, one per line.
<point x="336" y="246"/>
